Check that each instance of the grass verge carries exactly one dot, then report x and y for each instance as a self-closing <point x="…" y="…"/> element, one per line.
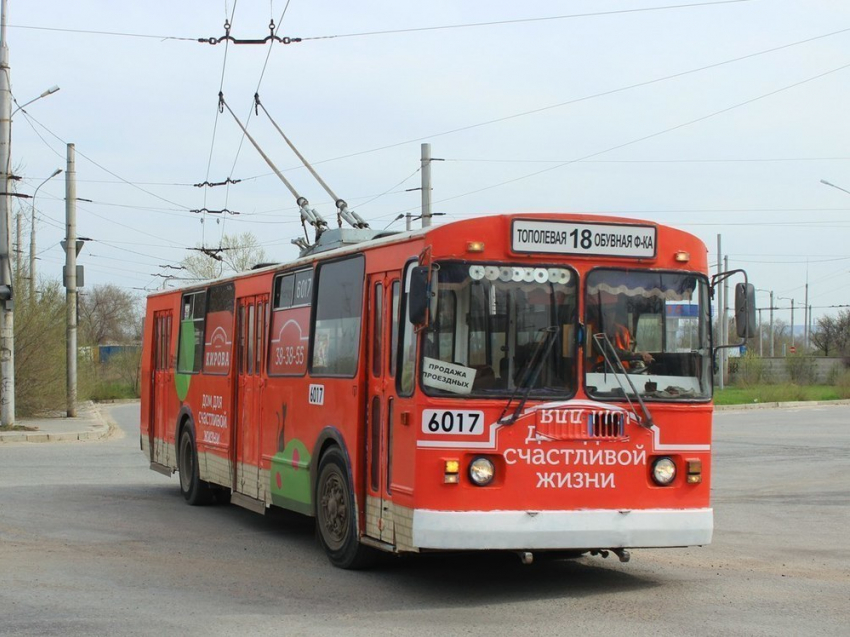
<point x="775" y="394"/>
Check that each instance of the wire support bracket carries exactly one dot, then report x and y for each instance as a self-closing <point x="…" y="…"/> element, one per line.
<point x="271" y="37"/>
<point x="213" y="184"/>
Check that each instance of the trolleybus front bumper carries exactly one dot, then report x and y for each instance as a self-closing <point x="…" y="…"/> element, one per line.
<point x="543" y="530"/>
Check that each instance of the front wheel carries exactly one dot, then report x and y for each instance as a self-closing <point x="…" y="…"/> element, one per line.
<point x="336" y="521"/>
<point x="194" y="490"/>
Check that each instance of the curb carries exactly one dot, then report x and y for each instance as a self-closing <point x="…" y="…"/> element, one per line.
<point x="87" y="413"/>
<point x="788" y="405"/>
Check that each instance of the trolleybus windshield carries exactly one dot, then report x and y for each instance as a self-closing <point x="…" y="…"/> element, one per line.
<point x="657" y="325"/>
<point x="488" y="322"/>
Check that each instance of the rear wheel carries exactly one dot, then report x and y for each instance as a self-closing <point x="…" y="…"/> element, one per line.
<point x="336" y="519"/>
<point x="194" y="490"/>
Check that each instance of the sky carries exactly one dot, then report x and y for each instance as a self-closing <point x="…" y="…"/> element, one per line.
<point x="720" y="118"/>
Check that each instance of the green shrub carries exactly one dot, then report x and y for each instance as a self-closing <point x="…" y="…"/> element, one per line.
<point x="750" y="370"/>
<point x="802" y="370"/>
<point x="40" y="351"/>
<point x="842" y="385"/>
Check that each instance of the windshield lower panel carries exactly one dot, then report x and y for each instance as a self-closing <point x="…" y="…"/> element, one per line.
<point x="491" y="331"/>
<point x="656" y="324"/>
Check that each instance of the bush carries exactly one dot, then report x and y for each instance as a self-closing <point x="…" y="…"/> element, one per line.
<point x="116" y="379"/>
<point x="750" y="369"/>
<point x="40" y="351"/>
<point x="842" y="385"/>
<point x="802" y="370"/>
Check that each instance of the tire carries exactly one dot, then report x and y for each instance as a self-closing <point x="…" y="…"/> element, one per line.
<point x="336" y="523"/>
<point x="195" y="491"/>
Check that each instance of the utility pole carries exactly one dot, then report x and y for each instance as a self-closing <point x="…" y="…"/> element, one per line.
<point x="71" y="281"/>
<point x="32" y="233"/>
<point x="17" y="248"/>
<point x="792" y="323"/>
<point x="720" y="336"/>
<point x="761" y="340"/>
<point x="426" y="185"/>
<point x="771" y="323"/>
<point x="7" y="317"/>
<point x="808" y="317"/>
<point x="726" y="317"/>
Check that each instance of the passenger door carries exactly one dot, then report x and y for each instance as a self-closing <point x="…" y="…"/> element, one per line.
<point x="382" y="324"/>
<point x="162" y="381"/>
<point x="252" y="313"/>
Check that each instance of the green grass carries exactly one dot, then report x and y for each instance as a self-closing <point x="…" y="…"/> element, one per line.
<point x="105" y="390"/>
<point x="775" y="394"/>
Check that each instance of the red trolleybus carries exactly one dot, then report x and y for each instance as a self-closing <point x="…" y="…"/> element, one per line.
<point x="529" y="382"/>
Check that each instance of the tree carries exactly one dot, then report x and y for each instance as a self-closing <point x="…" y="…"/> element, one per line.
<point x="40" y="350"/>
<point x="109" y="314"/>
<point x="237" y="253"/>
<point x="832" y="334"/>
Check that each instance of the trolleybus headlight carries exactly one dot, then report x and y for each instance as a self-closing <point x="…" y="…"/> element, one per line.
<point x="482" y="471"/>
<point x="663" y="471"/>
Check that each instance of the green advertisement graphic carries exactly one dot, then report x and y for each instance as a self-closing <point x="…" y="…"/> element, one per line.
<point x="290" y="477"/>
<point x="185" y="358"/>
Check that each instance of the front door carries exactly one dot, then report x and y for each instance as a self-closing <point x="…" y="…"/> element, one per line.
<point x="383" y="331"/>
<point x="251" y="327"/>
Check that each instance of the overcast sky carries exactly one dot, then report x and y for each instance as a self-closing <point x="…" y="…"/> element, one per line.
<point x="625" y="108"/>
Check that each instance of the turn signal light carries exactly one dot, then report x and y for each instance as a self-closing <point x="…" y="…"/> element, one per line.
<point x="452" y="470"/>
<point x="475" y="246"/>
<point x="694" y="471"/>
<point x="682" y="257"/>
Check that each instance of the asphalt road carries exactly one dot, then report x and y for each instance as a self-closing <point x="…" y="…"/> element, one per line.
<point x="93" y="542"/>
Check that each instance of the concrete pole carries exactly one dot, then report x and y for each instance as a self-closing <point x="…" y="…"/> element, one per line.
<point x="792" y="322"/>
<point x="7" y="317"/>
<point x="761" y="340"/>
<point x="71" y="281"/>
<point x="17" y="278"/>
<point x="721" y="353"/>
<point x="426" y="185"/>
<point x="771" y="323"/>
<point x="32" y="233"/>
<point x="726" y="320"/>
<point x="807" y="320"/>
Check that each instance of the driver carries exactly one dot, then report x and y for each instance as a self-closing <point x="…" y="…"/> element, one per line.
<point x="615" y="324"/>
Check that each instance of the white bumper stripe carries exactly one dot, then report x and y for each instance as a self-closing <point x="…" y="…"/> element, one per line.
<point x="561" y="529"/>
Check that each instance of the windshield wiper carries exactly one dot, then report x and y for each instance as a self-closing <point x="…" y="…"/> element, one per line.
<point x="603" y="343"/>
<point x="530" y="374"/>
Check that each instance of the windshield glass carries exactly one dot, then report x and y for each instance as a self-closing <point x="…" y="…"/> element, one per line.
<point x="656" y="324"/>
<point x="488" y="321"/>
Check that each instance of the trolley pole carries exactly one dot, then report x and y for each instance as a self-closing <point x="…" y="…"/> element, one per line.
<point x="7" y="317"/>
<point x="426" y="185"/>
<point x="71" y="281"/>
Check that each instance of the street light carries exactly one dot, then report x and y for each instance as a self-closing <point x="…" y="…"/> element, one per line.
<point x="7" y="311"/>
<point x="788" y="298"/>
<point x="761" y="342"/>
<point x="49" y="91"/>
<point x="32" y="230"/>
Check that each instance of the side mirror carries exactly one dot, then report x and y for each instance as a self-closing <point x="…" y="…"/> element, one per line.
<point x="419" y="296"/>
<point x="745" y="310"/>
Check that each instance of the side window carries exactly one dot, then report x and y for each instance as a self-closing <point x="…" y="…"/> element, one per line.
<point x="218" y="329"/>
<point x="394" y="328"/>
<point x="407" y="352"/>
<point x="283" y="288"/>
<point x="339" y="305"/>
<point x="378" y="336"/>
<point x="191" y="345"/>
<point x="290" y="324"/>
